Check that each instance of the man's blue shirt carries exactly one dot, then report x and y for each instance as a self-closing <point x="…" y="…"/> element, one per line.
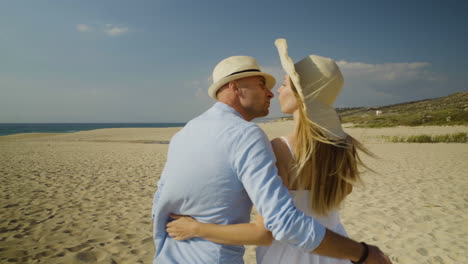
<point x="217" y="166"/>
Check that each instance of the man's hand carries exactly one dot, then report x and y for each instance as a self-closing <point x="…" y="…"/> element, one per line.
<point x="376" y="256"/>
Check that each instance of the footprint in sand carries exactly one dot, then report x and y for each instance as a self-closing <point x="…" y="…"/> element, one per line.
<point x="11" y="205"/>
<point x="131" y="236"/>
<point x="147" y="240"/>
<point x="135" y="252"/>
<point x="422" y="251"/>
<point x="86" y="256"/>
<point x="77" y="248"/>
<point x="43" y="254"/>
<point x="18" y="236"/>
<point x="125" y="243"/>
<point x="438" y="259"/>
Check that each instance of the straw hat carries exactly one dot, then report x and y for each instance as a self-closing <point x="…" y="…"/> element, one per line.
<point x="237" y="67"/>
<point x="318" y="81"/>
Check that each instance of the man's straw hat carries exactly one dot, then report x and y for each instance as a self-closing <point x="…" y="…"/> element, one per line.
<point x="318" y="81"/>
<point x="237" y="67"/>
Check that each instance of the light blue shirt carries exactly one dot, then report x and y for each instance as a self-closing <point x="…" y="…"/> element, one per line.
<point x="217" y="165"/>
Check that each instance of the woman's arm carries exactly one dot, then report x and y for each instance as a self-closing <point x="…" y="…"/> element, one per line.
<point x="185" y="227"/>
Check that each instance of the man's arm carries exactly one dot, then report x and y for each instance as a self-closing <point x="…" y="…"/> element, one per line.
<point x="348" y="249"/>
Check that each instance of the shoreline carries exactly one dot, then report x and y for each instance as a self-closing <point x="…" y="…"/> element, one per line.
<point x="63" y="128"/>
<point x="458" y="128"/>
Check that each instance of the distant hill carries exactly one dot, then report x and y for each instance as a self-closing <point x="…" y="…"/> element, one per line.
<point x="448" y="110"/>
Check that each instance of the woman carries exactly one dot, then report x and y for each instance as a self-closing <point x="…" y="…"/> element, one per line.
<point x="317" y="161"/>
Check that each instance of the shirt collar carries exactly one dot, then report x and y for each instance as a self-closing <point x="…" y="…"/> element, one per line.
<point x="226" y="108"/>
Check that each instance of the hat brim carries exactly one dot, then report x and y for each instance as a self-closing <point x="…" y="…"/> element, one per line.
<point x="326" y="118"/>
<point x="270" y="81"/>
<point x="319" y="113"/>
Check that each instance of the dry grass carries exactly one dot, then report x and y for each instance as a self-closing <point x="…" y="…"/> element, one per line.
<point x="447" y="138"/>
<point x="449" y="110"/>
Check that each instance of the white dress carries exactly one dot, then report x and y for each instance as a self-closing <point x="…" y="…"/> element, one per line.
<point x="282" y="253"/>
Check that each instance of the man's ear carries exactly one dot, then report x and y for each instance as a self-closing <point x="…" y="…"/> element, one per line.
<point x="237" y="89"/>
<point x="234" y="87"/>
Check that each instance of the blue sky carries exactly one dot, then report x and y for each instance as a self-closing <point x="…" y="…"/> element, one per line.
<point x="151" y="61"/>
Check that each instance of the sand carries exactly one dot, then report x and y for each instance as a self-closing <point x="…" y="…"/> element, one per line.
<point x="86" y="197"/>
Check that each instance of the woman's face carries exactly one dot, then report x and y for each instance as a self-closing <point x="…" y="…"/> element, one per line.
<point x="286" y="97"/>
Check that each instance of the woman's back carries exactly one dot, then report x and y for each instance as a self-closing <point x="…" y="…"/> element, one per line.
<point x="280" y="252"/>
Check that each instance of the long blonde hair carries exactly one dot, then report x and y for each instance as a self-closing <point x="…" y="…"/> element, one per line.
<point x="328" y="168"/>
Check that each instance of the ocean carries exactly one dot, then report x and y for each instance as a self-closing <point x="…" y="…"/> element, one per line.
<point x="16" y="128"/>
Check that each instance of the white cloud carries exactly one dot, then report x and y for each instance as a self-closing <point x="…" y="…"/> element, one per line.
<point x="108" y="29"/>
<point x="388" y="83"/>
<point x="276" y="71"/>
<point x="388" y="71"/>
<point x="113" y="30"/>
<point x="202" y="95"/>
<point x="200" y="88"/>
<point x="83" y="28"/>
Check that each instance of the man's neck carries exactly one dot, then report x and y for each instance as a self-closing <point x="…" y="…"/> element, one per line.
<point x="238" y="108"/>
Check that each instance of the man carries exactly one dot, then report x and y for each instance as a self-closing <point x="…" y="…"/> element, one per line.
<point x="220" y="163"/>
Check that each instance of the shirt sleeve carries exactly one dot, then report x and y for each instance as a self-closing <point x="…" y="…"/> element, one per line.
<point x="255" y="164"/>
<point x="157" y="195"/>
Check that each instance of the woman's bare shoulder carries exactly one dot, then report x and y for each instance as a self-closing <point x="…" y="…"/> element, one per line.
<point x="282" y="154"/>
<point x="281" y="150"/>
<point x="277" y="143"/>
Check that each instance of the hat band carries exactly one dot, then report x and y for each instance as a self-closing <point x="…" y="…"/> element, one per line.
<point x="249" y="70"/>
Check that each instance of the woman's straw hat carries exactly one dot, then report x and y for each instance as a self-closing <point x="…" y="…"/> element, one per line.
<point x="237" y="67"/>
<point x="318" y="81"/>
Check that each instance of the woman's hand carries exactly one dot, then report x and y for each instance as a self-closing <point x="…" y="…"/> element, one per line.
<point x="183" y="227"/>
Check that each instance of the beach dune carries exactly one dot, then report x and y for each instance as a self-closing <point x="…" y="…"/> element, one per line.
<point x="86" y="197"/>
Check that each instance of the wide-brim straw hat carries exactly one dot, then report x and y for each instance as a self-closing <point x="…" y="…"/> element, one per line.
<point x="318" y="81"/>
<point x="237" y="67"/>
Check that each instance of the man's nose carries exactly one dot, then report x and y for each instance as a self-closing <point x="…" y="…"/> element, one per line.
<point x="270" y="94"/>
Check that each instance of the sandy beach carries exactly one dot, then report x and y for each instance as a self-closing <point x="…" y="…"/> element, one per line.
<point x="86" y="197"/>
